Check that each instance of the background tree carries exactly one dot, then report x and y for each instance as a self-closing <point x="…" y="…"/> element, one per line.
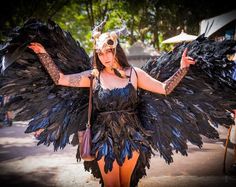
<point x="15" y="12"/>
<point x="149" y="21"/>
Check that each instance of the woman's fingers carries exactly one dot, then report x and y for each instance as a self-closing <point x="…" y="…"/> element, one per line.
<point x="189" y="58"/>
<point x="190" y="61"/>
<point x="186" y="61"/>
<point x="36" y="44"/>
<point x="33" y="45"/>
<point x="185" y="52"/>
<point x="38" y="132"/>
<point x="36" y="47"/>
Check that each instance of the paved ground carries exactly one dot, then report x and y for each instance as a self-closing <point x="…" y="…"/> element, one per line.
<point x="24" y="164"/>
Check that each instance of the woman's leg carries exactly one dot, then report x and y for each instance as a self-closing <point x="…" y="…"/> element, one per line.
<point x="127" y="168"/>
<point x="112" y="178"/>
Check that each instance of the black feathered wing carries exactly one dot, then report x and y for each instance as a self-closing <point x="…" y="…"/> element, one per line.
<point x="61" y="111"/>
<point x="197" y="104"/>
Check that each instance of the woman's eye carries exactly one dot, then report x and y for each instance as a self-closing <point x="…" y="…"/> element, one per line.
<point x="110" y="42"/>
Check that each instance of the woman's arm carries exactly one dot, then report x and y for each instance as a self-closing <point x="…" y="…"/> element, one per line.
<point x="73" y="80"/>
<point x="148" y="83"/>
<point x="76" y="80"/>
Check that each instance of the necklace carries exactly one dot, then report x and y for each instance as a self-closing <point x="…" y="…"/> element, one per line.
<point x="111" y="71"/>
<point x="118" y="72"/>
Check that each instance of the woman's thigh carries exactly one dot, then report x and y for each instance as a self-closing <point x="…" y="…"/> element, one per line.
<point x="127" y="168"/>
<point x="112" y="178"/>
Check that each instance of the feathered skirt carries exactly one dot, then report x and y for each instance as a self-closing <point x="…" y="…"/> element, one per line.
<point x="116" y="134"/>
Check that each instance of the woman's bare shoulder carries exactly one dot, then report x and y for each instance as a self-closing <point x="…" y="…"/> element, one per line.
<point x="139" y="71"/>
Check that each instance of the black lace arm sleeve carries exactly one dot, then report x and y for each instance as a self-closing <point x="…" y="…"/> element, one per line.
<point x="174" y="80"/>
<point x="50" y="66"/>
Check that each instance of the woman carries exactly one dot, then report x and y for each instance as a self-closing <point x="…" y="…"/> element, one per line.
<point x="119" y="140"/>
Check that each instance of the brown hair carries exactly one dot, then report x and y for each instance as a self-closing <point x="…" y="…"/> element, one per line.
<point x="119" y="55"/>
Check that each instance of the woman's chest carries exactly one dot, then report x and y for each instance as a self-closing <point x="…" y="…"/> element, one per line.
<point x="115" y="98"/>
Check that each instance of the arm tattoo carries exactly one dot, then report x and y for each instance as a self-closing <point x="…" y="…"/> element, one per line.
<point x="174" y="80"/>
<point x="50" y="66"/>
<point x="74" y="80"/>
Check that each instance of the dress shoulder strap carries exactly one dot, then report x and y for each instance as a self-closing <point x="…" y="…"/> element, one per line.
<point x="130" y="74"/>
<point x="132" y="68"/>
<point x="98" y="77"/>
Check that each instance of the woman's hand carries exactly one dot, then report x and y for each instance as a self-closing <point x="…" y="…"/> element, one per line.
<point x="186" y="61"/>
<point x="37" y="48"/>
<point x="38" y="132"/>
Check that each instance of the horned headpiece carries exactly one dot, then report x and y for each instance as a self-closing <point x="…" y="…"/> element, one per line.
<point x="108" y="40"/>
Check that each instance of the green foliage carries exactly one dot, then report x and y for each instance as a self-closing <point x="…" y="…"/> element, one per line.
<point x="73" y="19"/>
<point x="149" y="21"/>
<point x="164" y="47"/>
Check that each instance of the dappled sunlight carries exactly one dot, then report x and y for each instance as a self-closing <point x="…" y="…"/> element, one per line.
<point x="34" y="179"/>
<point x="17" y="142"/>
<point x="193" y="181"/>
<point x="9" y="132"/>
<point x="64" y="169"/>
<point x="29" y="163"/>
<point x="21" y="123"/>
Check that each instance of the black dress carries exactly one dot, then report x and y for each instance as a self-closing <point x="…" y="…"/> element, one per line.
<point x="117" y="130"/>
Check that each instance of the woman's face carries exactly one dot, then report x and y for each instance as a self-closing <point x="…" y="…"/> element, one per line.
<point x="107" y="58"/>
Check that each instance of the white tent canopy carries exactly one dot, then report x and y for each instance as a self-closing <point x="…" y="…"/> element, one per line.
<point x="182" y="37"/>
<point x="210" y="26"/>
